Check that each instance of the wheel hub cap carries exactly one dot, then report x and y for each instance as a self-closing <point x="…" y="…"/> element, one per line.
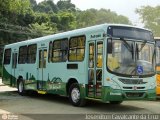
<point x="75" y="94"/>
<point x="20" y="87"/>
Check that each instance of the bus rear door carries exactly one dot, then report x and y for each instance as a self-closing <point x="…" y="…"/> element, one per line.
<point x="14" y="68"/>
<point x="41" y="69"/>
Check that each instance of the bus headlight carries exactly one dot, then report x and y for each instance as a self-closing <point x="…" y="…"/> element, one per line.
<point x="152" y="85"/>
<point x="115" y="85"/>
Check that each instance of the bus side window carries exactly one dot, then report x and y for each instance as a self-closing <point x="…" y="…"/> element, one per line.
<point x="60" y="50"/>
<point x="32" y="50"/>
<point x="7" y="56"/>
<point x="77" y="48"/>
<point x="22" y="58"/>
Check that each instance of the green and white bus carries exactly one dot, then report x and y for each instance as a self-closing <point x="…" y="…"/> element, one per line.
<point x="107" y="62"/>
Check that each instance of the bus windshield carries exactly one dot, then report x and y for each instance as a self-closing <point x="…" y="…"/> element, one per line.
<point x="131" y="58"/>
<point x="158" y="53"/>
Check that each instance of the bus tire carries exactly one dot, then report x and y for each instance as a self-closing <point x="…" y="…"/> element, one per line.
<point x="20" y="87"/>
<point x="115" y="102"/>
<point x="74" y="96"/>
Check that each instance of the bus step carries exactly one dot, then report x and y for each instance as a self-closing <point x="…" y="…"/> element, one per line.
<point x="41" y="92"/>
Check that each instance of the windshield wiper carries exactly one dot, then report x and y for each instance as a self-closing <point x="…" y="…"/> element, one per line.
<point x="139" y="50"/>
<point x="142" y="45"/>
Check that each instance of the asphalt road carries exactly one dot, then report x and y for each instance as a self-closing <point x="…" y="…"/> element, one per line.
<point x="51" y="107"/>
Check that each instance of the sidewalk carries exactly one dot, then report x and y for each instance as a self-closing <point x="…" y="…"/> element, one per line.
<point x="4" y="88"/>
<point x="1" y="84"/>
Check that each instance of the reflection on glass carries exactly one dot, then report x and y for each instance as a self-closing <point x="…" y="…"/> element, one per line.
<point x="99" y="54"/>
<point x="42" y="58"/>
<point x="91" y="55"/>
<point x="131" y="58"/>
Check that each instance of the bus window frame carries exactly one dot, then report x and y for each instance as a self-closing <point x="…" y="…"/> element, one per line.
<point x="63" y="39"/>
<point x="26" y="60"/>
<point x="28" y="54"/>
<point x="50" y="48"/>
<point x="5" y="57"/>
<point x="77" y="48"/>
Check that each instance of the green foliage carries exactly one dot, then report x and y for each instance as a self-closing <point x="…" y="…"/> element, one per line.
<point x="46" y="6"/>
<point x="54" y="18"/>
<point x="67" y="21"/>
<point x="12" y="10"/>
<point x="4" y="6"/>
<point x="44" y="28"/>
<point x="1" y="54"/>
<point x="86" y="18"/>
<point x="19" y="6"/>
<point x="150" y="16"/>
<point x="41" y="18"/>
<point x="0" y="71"/>
<point x="25" y="19"/>
<point x="66" y="5"/>
<point x="47" y="18"/>
<point x="93" y="17"/>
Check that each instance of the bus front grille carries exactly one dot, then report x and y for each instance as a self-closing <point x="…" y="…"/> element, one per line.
<point x="131" y="94"/>
<point x="132" y="81"/>
<point x="133" y="88"/>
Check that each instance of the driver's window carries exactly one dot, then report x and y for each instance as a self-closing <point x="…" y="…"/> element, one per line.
<point x="113" y="57"/>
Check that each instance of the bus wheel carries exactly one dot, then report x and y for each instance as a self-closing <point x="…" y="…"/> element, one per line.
<point x="20" y="86"/>
<point x="74" y="95"/>
<point x="115" y="102"/>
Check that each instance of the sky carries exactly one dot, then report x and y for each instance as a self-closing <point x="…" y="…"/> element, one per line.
<point x="121" y="7"/>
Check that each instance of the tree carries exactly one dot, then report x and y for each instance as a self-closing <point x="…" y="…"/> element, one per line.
<point x="67" y="21"/>
<point x="44" y="28"/>
<point x="25" y="19"/>
<point x="92" y="17"/>
<point x="54" y="18"/>
<point x="86" y="18"/>
<point x="66" y="5"/>
<point x="33" y="4"/>
<point x="19" y="6"/>
<point x="4" y="7"/>
<point x="46" y="7"/>
<point x="41" y="18"/>
<point x="150" y="16"/>
<point x="11" y="9"/>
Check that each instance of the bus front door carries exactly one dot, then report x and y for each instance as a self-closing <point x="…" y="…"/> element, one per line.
<point x="41" y="69"/>
<point x="14" y="67"/>
<point x="95" y="71"/>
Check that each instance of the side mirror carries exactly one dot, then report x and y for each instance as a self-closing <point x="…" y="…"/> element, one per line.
<point x="109" y="46"/>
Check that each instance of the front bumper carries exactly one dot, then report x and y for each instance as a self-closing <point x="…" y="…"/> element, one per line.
<point x="110" y="94"/>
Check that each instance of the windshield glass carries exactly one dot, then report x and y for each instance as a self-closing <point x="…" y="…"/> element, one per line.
<point x="131" y="58"/>
<point x="158" y="53"/>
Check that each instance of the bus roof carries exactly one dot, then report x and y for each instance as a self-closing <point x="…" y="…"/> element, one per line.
<point x="69" y="33"/>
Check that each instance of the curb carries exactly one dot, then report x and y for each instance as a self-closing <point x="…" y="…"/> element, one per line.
<point x="2" y="85"/>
